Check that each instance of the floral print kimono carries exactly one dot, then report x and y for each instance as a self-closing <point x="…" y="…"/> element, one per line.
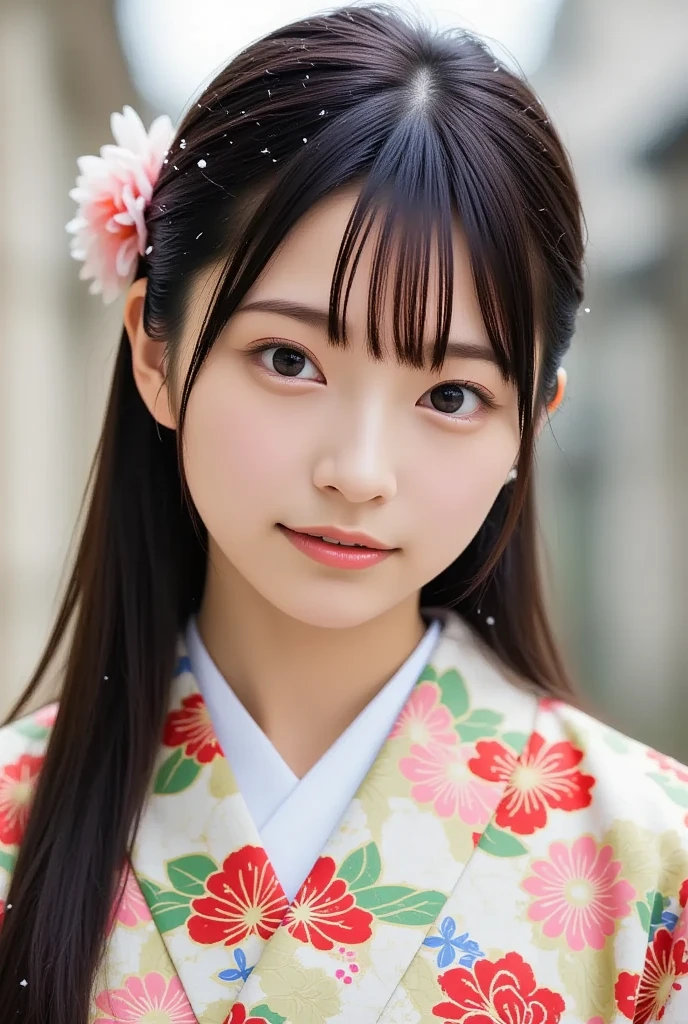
<point x="507" y="860"/>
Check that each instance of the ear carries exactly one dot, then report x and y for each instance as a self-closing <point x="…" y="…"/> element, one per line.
<point x="562" y="378"/>
<point x="147" y="355"/>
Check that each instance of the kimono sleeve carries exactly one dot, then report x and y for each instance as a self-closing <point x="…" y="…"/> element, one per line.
<point x="660" y="993"/>
<point x="22" y="751"/>
<point x="675" y="1008"/>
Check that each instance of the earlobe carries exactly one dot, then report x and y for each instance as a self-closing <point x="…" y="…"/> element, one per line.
<point x="562" y="377"/>
<point x="556" y="401"/>
<point x="147" y="356"/>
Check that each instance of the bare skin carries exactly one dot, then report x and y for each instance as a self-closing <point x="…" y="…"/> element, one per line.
<point x="349" y="443"/>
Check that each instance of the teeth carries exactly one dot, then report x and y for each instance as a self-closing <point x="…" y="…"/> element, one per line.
<point x="343" y="543"/>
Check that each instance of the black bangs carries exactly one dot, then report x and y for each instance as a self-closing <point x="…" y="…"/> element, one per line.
<point x="406" y="195"/>
<point x="418" y="177"/>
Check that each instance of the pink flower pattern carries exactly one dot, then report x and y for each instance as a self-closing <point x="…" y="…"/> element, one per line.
<point x="578" y="893"/>
<point x="143" y="999"/>
<point x="131" y="908"/>
<point x="441" y="776"/>
<point x="669" y="764"/>
<point x="425" y="719"/>
<point x="46" y="715"/>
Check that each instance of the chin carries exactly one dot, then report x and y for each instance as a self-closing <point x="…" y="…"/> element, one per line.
<point x="336" y="611"/>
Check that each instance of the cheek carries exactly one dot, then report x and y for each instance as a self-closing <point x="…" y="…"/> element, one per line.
<point x="235" y="459"/>
<point x="455" y="486"/>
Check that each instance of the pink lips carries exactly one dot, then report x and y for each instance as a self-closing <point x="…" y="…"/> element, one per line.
<point x="339" y="557"/>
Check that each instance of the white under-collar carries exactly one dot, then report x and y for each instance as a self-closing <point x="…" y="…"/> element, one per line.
<point x="295" y="816"/>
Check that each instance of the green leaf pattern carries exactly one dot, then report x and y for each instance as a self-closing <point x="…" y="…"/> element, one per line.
<point x="470" y="723"/>
<point x="500" y="843"/>
<point x="361" y="868"/>
<point x="171" y="907"/>
<point x="674" y="789"/>
<point x="263" y="1012"/>
<point x="399" y="904"/>
<point x="176" y="773"/>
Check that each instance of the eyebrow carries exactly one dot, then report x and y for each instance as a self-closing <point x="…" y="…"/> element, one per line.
<point x="319" y="318"/>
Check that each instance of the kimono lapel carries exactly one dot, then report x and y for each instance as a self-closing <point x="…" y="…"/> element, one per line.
<point x="401" y="848"/>
<point x="199" y="861"/>
<point x="340" y="949"/>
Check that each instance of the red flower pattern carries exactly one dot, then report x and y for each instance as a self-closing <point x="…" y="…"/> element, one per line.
<point x="245" y="899"/>
<point x="681" y="929"/>
<point x="545" y="777"/>
<point x="625" y="992"/>
<point x="17" y="782"/>
<point x="497" y="992"/>
<point x="325" y="912"/>
<point x="191" y="727"/>
<point x="551" y="704"/>
<point x="238" y="1015"/>
<point x="643" y="999"/>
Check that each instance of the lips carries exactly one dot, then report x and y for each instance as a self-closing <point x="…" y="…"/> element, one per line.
<point x="336" y="549"/>
<point x="345" y="538"/>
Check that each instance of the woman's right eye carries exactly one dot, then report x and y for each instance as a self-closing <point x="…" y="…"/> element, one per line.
<point x="288" y="362"/>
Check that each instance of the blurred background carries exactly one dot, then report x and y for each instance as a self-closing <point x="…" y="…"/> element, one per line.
<point x="613" y="466"/>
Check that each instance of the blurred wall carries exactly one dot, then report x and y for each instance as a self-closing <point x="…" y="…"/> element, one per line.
<point x="61" y="75"/>
<point x="614" y="482"/>
<point x="614" y="468"/>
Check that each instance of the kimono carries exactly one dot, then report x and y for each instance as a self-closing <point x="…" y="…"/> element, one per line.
<point x="508" y="859"/>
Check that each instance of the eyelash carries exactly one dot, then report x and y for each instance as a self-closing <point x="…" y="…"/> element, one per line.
<point x="483" y="396"/>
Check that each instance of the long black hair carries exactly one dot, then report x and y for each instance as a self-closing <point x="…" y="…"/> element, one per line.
<point x="434" y="127"/>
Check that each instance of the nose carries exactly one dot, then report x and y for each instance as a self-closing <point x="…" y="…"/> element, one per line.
<point x="356" y="460"/>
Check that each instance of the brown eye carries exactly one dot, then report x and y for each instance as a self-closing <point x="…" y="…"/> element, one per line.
<point x="452" y="398"/>
<point x="460" y="402"/>
<point x="287" y="362"/>
<point x="449" y="398"/>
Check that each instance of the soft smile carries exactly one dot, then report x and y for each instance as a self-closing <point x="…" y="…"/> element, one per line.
<point x="339" y="548"/>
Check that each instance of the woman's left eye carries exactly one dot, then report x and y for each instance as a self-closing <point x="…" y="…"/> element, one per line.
<point x="458" y="401"/>
<point x="285" y="361"/>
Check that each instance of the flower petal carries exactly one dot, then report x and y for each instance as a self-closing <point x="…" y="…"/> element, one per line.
<point x="113" y="191"/>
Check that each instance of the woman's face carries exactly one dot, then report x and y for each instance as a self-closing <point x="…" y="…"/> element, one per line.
<point x="284" y="430"/>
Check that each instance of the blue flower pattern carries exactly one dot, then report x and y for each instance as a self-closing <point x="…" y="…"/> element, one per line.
<point x="448" y="944"/>
<point x="241" y="973"/>
<point x="668" y="921"/>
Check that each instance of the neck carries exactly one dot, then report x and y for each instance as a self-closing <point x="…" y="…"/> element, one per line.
<point x="302" y="684"/>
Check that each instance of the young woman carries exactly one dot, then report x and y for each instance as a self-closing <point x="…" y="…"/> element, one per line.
<point x="316" y="757"/>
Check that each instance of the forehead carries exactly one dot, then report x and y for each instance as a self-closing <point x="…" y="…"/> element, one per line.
<point x="303" y="267"/>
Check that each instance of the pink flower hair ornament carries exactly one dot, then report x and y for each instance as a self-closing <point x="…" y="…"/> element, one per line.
<point x="112" y="191"/>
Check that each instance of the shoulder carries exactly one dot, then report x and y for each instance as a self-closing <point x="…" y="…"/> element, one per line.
<point x="633" y="788"/>
<point x="631" y="806"/>
<point x="573" y="759"/>
<point x="23" y="744"/>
